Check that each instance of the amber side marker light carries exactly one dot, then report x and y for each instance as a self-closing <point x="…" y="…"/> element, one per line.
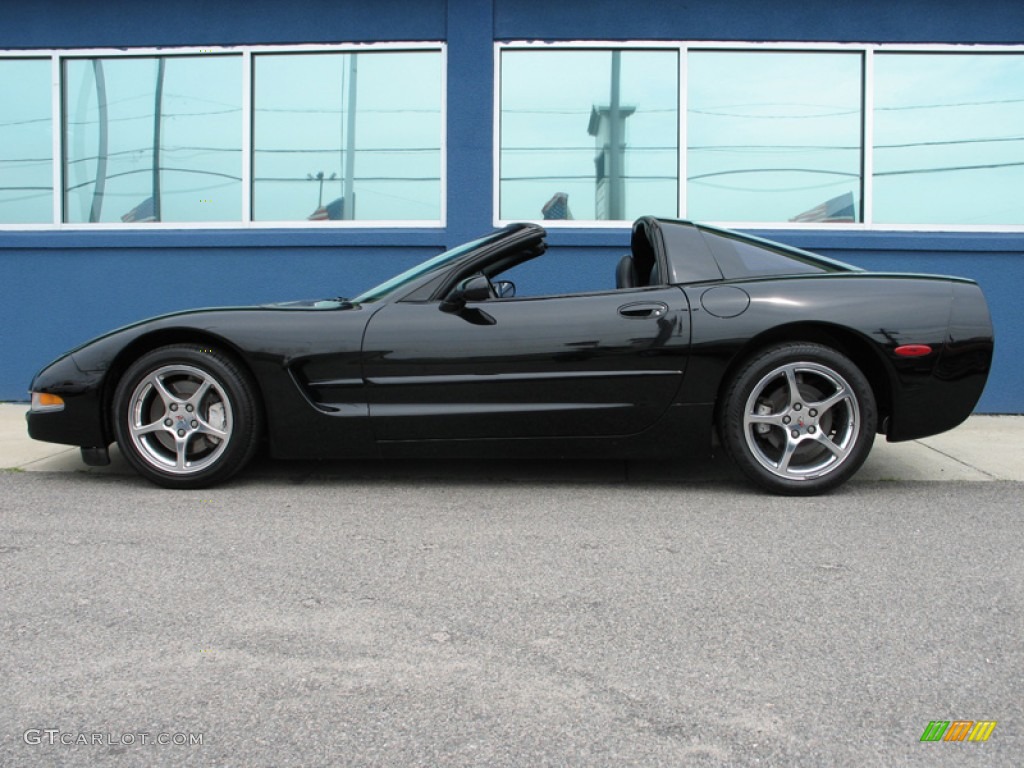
<point x="913" y="350"/>
<point x="44" y="401"/>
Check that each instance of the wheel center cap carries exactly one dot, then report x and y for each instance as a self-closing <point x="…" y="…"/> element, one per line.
<point x="184" y="424"/>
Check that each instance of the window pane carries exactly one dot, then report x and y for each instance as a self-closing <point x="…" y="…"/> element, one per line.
<point x="774" y="136"/>
<point x="949" y="138"/>
<point x="26" y="142"/>
<point x="738" y="257"/>
<point x="153" y="139"/>
<point x="564" y="113"/>
<point x="369" y="121"/>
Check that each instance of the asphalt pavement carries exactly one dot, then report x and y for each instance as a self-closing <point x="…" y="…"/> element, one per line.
<point x="512" y="614"/>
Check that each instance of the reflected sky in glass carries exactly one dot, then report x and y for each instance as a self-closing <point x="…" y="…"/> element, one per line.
<point x="302" y="103"/>
<point x="949" y="139"/>
<point x="26" y="142"/>
<point x="109" y="172"/>
<point x="547" y="98"/>
<point x="773" y="136"/>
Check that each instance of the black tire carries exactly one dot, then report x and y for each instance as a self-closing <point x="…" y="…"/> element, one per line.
<point x="798" y="418"/>
<point x="186" y="416"/>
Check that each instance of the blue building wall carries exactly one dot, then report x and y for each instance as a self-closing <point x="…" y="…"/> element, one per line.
<point x="63" y="287"/>
<point x="875" y="21"/>
<point x="121" y="23"/>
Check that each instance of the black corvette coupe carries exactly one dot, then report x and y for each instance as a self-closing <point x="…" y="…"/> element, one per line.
<point x="792" y="360"/>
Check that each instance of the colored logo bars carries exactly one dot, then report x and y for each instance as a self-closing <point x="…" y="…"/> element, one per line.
<point x="958" y="730"/>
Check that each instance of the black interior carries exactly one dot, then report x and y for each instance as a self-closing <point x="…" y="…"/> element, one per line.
<point x="639" y="268"/>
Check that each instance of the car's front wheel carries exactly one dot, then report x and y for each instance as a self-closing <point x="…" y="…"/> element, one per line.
<point x="798" y="418"/>
<point x="186" y="416"/>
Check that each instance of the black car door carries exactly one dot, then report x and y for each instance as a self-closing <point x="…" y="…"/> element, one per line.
<point x="596" y="364"/>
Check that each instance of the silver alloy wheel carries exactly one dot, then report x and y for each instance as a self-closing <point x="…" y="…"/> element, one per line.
<point x="180" y="419"/>
<point x="801" y="421"/>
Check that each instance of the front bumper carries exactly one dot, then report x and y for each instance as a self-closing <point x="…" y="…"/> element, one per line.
<point x="80" y="421"/>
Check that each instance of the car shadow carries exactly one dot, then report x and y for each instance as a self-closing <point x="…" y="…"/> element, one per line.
<point x="397" y="472"/>
<point x="490" y="471"/>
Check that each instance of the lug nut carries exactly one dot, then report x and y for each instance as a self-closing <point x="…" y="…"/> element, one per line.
<point x="786" y="419"/>
<point x="168" y="422"/>
<point x="797" y="406"/>
<point x="811" y="430"/>
<point x="181" y="433"/>
<point x="795" y="433"/>
<point x="188" y="408"/>
<point x="813" y="413"/>
<point x="194" y="423"/>
<point x="174" y="406"/>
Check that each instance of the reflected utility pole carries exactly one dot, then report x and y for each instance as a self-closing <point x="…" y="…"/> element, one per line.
<point x="319" y="176"/>
<point x="157" y="114"/>
<point x="616" y="209"/>
<point x="100" y="185"/>
<point x="608" y="126"/>
<point x="349" y="210"/>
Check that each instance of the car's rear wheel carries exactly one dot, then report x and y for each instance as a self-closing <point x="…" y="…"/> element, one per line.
<point x="798" y="418"/>
<point x="186" y="416"/>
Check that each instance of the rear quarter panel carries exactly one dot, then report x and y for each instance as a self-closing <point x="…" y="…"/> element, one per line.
<point x="866" y="316"/>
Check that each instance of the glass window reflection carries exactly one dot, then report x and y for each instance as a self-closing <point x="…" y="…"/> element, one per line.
<point x="563" y="113"/>
<point x="153" y="139"/>
<point x="347" y="136"/>
<point x="949" y="139"/>
<point x="26" y="142"/>
<point x="774" y="136"/>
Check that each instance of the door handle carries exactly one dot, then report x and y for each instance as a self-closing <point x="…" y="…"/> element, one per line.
<point x="639" y="310"/>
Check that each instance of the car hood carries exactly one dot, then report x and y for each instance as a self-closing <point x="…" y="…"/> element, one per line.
<point x="310" y="304"/>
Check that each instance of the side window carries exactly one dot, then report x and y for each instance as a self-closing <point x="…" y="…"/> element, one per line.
<point x="739" y="258"/>
<point x="564" y="271"/>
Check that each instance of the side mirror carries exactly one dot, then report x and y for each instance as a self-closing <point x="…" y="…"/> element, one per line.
<point x="475" y="288"/>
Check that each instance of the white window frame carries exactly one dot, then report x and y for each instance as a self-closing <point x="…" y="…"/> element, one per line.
<point x="868" y="50"/>
<point x="246" y="53"/>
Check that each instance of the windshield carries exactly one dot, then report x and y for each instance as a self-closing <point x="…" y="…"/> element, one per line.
<point x="431" y="265"/>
